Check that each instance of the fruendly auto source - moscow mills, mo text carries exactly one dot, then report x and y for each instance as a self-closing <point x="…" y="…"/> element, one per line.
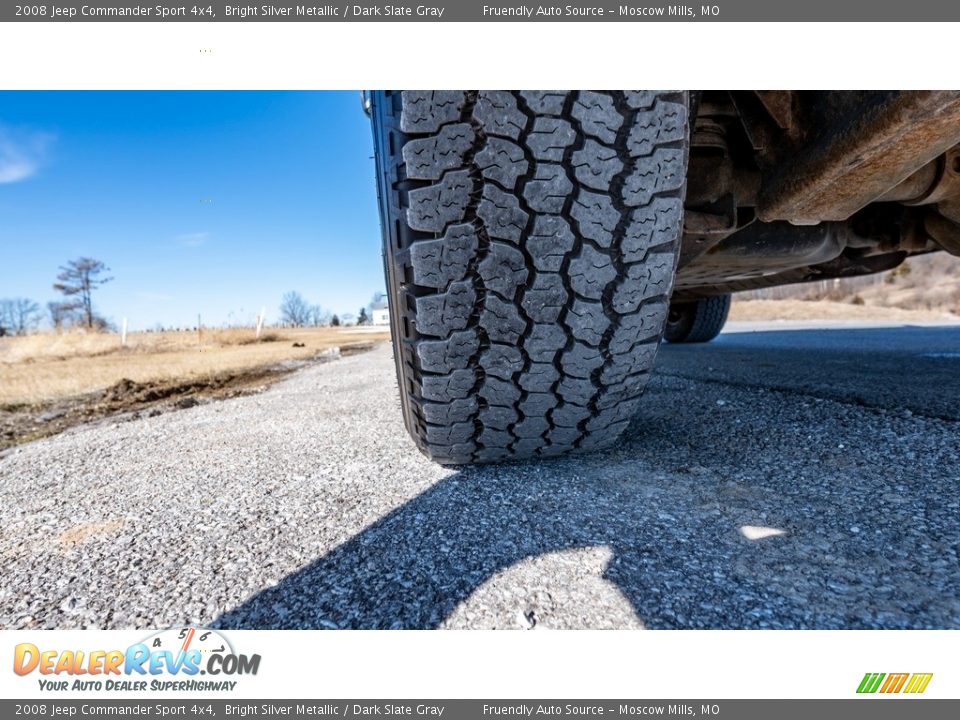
<point x="613" y="11"/>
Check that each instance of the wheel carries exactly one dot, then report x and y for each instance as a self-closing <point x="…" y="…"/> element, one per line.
<point x="698" y="321"/>
<point x="530" y="244"/>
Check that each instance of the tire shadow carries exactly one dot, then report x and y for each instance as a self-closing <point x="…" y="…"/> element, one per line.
<point x="722" y="506"/>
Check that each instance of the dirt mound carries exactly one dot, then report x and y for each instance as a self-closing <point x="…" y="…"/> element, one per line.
<point x="23" y="423"/>
<point x="121" y="390"/>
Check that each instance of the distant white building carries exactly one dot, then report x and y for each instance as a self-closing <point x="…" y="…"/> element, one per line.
<point x="380" y="311"/>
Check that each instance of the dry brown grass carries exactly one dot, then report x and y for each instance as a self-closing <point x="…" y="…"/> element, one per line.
<point x="925" y="288"/>
<point x="771" y="310"/>
<point x="926" y="282"/>
<point x="48" y="366"/>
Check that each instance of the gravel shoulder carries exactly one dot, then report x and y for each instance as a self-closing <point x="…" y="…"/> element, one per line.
<point x="794" y="479"/>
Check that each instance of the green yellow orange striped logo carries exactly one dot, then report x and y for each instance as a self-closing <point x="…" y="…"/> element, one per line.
<point x="887" y="683"/>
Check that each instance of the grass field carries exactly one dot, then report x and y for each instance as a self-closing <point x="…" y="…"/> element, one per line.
<point x="46" y="366"/>
<point x="925" y="288"/>
<point x="773" y="310"/>
<point x="926" y="282"/>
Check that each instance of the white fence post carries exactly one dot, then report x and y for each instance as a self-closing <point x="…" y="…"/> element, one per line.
<point x="260" y="317"/>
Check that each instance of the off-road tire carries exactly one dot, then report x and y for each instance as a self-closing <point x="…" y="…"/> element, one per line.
<point x="530" y="244"/>
<point x="699" y="321"/>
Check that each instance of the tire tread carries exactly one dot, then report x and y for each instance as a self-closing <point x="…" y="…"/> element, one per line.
<point x="530" y="243"/>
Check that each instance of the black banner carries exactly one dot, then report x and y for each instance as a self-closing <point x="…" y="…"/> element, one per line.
<point x="478" y="11"/>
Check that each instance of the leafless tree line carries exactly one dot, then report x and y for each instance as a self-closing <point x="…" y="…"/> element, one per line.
<point x="76" y="281"/>
<point x="296" y="311"/>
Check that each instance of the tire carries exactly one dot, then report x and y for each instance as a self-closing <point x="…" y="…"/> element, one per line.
<point x="530" y="245"/>
<point x="699" y="321"/>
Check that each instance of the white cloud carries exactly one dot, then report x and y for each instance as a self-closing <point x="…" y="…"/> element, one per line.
<point x="22" y="153"/>
<point x="193" y="239"/>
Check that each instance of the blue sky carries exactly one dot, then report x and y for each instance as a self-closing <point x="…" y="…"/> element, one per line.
<point x="200" y="202"/>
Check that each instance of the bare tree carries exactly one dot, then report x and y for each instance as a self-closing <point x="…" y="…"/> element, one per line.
<point x="18" y="316"/>
<point x="78" y="279"/>
<point x="294" y="310"/>
<point x="318" y="316"/>
<point x="6" y="327"/>
<point x="61" y="313"/>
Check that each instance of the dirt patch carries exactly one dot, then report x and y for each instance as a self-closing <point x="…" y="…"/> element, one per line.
<point x="79" y="534"/>
<point x="21" y="423"/>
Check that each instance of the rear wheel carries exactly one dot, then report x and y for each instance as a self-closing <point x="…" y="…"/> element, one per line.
<point x="530" y="243"/>
<point x="698" y="321"/>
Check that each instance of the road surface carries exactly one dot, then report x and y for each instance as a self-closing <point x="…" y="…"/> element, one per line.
<point x="802" y="478"/>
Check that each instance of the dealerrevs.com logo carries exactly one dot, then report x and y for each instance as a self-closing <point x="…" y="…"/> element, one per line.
<point x="170" y="660"/>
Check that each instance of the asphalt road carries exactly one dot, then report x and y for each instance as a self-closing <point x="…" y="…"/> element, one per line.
<point x="781" y="479"/>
